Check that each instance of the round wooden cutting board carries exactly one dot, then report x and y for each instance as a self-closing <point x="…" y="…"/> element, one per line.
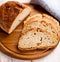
<point x="9" y="43"/>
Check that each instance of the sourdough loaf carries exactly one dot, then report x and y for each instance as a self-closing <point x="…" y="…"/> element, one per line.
<point x="12" y="13"/>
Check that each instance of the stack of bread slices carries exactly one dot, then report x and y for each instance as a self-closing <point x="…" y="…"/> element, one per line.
<point x="40" y="31"/>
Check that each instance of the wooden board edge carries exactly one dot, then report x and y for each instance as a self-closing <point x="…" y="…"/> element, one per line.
<point x="15" y="55"/>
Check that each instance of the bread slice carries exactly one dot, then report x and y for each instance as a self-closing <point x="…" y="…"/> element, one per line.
<point x="12" y="14"/>
<point x="36" y="39"/>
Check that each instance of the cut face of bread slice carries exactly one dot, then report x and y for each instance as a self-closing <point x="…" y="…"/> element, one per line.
<point x="12" y="14"/>
<point x="36" y="39"/>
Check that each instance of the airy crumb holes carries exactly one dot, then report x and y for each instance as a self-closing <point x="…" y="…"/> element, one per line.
<point x="34" y="33"/>
<point x="41" y="39"/>
<point x="38" y="44"/>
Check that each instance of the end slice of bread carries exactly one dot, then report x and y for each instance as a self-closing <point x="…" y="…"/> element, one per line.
<point x="12" y="14"/>
<point x="21" y="16"/>
<point x="36" y="39"/>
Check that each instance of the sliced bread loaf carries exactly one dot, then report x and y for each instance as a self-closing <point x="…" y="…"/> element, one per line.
<point x="36" y="39"/>
<point x="12" y="13"/>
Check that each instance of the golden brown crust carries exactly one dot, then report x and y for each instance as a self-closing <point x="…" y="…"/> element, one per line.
<point x="8" y="13"/>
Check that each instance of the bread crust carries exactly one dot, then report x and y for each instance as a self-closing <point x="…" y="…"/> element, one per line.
<point x="8" y="13"/>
